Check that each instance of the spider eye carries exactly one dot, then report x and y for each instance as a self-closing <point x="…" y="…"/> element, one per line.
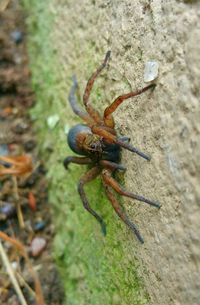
<point x="92" y="146"/>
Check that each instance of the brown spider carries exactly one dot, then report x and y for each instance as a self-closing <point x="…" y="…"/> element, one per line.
<point x="98" y="142"/>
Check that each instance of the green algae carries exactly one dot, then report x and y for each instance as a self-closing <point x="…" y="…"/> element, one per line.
<point x="96" y="270"/>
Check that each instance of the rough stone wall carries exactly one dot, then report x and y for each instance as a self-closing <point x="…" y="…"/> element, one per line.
<point x="164" y="123"/>
<point x="167" y="125"/>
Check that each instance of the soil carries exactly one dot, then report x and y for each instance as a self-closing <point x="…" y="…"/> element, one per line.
<point x="17" y="138"/>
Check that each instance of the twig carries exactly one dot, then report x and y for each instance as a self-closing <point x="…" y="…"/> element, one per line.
<point x="18" y="206"/>
<point x="23" y="282"/>
<point x="19" y="246"/>
<point x="12" y="275"/>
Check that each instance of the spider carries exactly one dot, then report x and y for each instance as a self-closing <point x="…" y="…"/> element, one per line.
<point x="98" y="143"/>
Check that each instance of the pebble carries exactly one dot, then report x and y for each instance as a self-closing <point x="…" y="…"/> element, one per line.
<point x="17" y="36"/>
<point x="7" y="210"/>
<point x="14" y="265"/>
<point x="38" y="244"/>
<point x="151" y="71"/>
<point x="53" y="120"/>
<point x="39" y="226"/>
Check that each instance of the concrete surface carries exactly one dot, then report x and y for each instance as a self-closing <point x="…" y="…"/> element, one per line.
<point x="165" y="123"/>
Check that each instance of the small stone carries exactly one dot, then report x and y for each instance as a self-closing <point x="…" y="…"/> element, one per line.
<point x="52" y="121"/>
<point x="14" y="265"/>
<point x="38" y="244"/>
<point x="7" y="210"/>
<point x="151" y="71"/>
<point x="17" y="36"/>
<point x="39" y="226"/>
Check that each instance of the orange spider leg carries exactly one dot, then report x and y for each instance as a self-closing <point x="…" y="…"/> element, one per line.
<point x="87" y="177"/>
<point x="108" y="119"/>
<point x="110" y="138"/>
<point x="109" y="180"/>
<point x="73" y="102"/>
<point x="120" y="212"/>
<point x="106" y="128"/>
<point x="76" y="160"/>
<point x="112" y="165"/>
<point x="92" y="112"/>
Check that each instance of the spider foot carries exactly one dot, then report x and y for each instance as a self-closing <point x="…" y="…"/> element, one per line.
<point x="135" y="231"/>
<point x="157" y="204"/>
<point x="66" y="162"/>
<point x="143" y="199"/>
<point x="133" y="149"/>
<point x="103" y="227"/>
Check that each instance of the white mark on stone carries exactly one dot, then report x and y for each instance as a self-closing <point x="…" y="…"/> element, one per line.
<point x="150" y="71"/>
<point x="53" y="120"/>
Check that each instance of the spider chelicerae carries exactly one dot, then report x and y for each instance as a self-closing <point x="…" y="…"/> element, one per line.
<point x="100" y="146"/>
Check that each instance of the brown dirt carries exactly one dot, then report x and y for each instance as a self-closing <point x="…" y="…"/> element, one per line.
<point x="17" y="138"/>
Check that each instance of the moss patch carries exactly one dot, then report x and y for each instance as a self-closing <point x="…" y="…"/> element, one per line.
<point x="96" y="270"/>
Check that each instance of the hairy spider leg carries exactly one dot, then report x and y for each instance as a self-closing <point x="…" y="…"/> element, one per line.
<point x="109" y="180"/>
<point x="76" y="160"/>
<point x="120" y="212"/>
<point x="108" y="119"/>
<point x="110" y="138"/>
<point x="112" y="165"/>
<point x="91" y="111"/>
<point x="73" y="102"/>
<point x="87" y="177"/>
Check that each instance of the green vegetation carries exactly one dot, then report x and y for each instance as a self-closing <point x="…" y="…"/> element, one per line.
<point x="96" y="270"/>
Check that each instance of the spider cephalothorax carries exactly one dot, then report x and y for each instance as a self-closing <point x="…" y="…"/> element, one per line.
<point x="98" y="142"/>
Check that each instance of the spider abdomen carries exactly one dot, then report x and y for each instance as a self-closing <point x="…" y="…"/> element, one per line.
<point x="74" y="133"/>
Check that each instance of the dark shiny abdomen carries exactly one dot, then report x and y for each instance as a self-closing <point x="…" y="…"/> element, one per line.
<point x="72" y="137"/>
